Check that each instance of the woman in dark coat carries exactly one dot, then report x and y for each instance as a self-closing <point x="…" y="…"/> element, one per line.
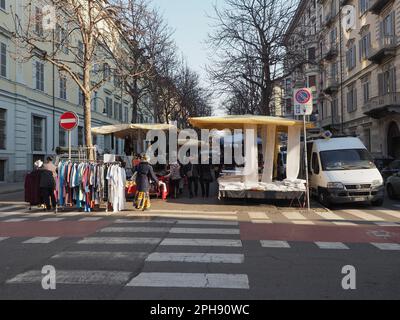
<point x="205" y="179"/>
<point x="144" y="171"/>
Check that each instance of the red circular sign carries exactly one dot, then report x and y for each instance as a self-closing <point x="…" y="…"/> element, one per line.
<point x="303" y="96"/>
<point x="69" y="120"/>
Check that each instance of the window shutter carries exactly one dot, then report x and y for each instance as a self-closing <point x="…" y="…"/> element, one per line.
<point x="380" y="84"/>
<point x="34" y="74"/>
<point x="360" y="49"/>
<point x="355" y="100"/>
<point x="354" y="56"/>
<point x="368" y="44"/>
<point x="392" y="79"/>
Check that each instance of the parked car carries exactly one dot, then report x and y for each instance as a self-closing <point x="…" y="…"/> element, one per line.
<point x="393" y="186"/>
<point x="391" y="169"/>
<point x="342" y="170"/>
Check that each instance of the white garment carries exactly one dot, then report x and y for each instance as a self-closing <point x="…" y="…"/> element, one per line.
<point x="116" y="177"/>
<point x="293" y="153"/>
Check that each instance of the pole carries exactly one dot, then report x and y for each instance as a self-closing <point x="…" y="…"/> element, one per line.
<point x="306" y="164"/>
<point x="69" y="145"/>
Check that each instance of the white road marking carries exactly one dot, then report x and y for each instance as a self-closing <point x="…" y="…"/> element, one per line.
<point x="106" y="255"/>
<point x="387" y="224"/>
<point x="392" y="213"/>
<point x="3" y="238"/>
<point x="332" y="245"/>
<point x="133" y="221"/>
<point x="70" y="214"/>
<point x="134" y="230"/>
<point x="303" y="222"/>
<point x="294" y="216"/>
<point x="190" y="280"/>
<point x="329" y="216"/>
<point x="344" y="223"/>
<point x="76" y="277"/>
<point x="52" y="219"/>
<point x="8" y="214"/>
<point x="387" y="246"/>
<point x="274" y="244"/>
<point x="38" y="240"/>
<point x="119" y="240"/>
<point x="262" y="221"/>
<point x="201" y="222"/>
<point x="16" y="220"/>
<point x="187" y="216"/>
<point x="14" y="207"/>
<point x="201" y="242"/>
<point x="195" y="257"/>
<point x="258" y="216"/>
<point x="204" y="231"/>
<point x="88" y="219"/>
<point x="39" y="214"/>
<point x="364" y="215"/>
<point x="195" y="212"/>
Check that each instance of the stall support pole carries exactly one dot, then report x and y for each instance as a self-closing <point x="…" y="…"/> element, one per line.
<point x="306" y="164"/>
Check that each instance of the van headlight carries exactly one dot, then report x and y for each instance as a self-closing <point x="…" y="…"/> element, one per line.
<point x="335" y="185"/>
<point x="377" y="183"/>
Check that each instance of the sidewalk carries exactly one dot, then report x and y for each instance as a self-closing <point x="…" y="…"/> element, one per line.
<point x="11" y="187"/>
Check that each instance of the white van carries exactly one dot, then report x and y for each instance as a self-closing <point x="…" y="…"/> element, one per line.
<point x="342" y="170"/>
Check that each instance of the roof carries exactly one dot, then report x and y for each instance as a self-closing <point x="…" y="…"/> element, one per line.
<point x="339" y="144"/>
<point x="123" y="130"/>
<point x="237" y="122"/>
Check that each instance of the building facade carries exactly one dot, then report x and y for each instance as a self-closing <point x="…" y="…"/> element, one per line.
<point x="359" y="59"/>
<point x="33" y="95"/>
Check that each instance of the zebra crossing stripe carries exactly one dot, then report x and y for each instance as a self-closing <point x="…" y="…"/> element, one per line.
<point x="119" y="240"/>
<point x="201" y="242"/>
<point x="391" y="213"/>
<point x="329" y="216"/>
<point x="387" y="246"/>
<point x="14" y="207"/>
<point x="135" y="221"/>
<point x="364" y="216"/>
<point x="16" y="220"/>
<point x="274" y="244"/>
<point x="190" y="280"/>
<point x="303" y="222"/>
<point x="39" y="214"/>
<point x="195" y="257"/>
<point x="196" y="212"/>
<point x="387" y="224"/>
<point x="204" y="231"/>
<point x="89" y="219"/>
<point x="3" y="238"/>
<point x="134" y="230"/>
<point x="262" y="221"/>
<point x="39" y="240"/>
<point x="332" y="245"/>
<point x="258" y="216"/>
<point x="186" y="216"/>
<point x="344" y="223"/>
<point x="52" y="219"/>
<point x="106" y="255"/>
<point x="75" y="277"/>
<point x="294" y="216"/>
<point x="201" y="222"/>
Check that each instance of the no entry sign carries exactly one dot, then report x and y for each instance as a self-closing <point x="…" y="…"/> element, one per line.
<point x="303" y="102"/>
<point x="69" y="121"/>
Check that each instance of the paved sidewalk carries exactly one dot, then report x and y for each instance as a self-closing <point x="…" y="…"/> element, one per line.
<point x="11" y="187"/>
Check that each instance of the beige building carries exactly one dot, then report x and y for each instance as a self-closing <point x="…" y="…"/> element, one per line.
<point x="33" y="95"/>
<point x="359" y="87"/>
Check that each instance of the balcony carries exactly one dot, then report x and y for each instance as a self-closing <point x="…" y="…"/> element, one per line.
<point x="330" y="52"/>
<point x="344" y="2"/>
<point x="331" y="122"/>
<point x="377" y="5"/>
<point x="331" y="86"/>
<point x="329" y="19"/>
<point x="382" y="106"/>
<point x="385" y="48"/>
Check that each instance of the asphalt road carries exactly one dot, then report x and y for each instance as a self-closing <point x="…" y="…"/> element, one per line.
<point x="184" y="250"/>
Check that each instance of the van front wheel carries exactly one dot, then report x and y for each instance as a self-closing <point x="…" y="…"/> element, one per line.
<point x="377" y="203"/>
<point x="323" y="198"/>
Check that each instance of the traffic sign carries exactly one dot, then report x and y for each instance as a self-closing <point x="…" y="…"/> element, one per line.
<point x="69" y="120"/>
<point x="303" y="102"/>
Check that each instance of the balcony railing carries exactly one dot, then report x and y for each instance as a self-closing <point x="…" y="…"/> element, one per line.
<point x="379" y="107"/>
<point x="386" y="47"/>
<point x="331" y="85"/>
<point x="376" y="6"/>
<point x="330" y="52"/>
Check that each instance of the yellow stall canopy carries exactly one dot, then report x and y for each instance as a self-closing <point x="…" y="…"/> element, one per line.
<point x="123" y="130"/>
<point x="237" y="122"/>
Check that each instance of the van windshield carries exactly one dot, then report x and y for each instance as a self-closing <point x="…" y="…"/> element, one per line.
<point x="349" y="159"/>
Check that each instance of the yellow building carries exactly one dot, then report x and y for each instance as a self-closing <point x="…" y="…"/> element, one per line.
<point x="33" y="95"/>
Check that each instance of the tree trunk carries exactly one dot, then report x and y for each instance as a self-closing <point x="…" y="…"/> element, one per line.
<point x="87" y="114"/>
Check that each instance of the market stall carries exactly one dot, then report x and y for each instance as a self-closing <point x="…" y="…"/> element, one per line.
<point x="248" y="182"/>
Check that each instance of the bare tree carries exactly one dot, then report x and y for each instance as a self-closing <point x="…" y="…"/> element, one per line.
<point x="248" y="43"/>
<point x="83" y="33"/>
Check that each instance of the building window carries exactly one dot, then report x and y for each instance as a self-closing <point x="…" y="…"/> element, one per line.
<point x="126" y="115"/>
<point x="364" y="6"/>
<point x="334" y="105"/>
<point x="352" y="98"/>
<point x="365" y="86"/>
<point x="3" y="128"/>
<point x="39" y="75"/>
<point x="3" y="4"/>
<point x="311" y="54"/>
<point x="80" y="50"/>
<point x="2" y="170"/>
<point x="351" y="57"/>
<point x="63" y="87"/>
<point x="106" y="71"/>
<point x="365" y="46"/>
<point x="38" y="21"/>
<point x="81" y="97"/>
<point x="387" y="27"/>
<point x="333" y="36"/>
<point x="117" y="81"/>
<point x="116" y="110"/>
<point x="62" y="142"/>
<point x="94" y="101"/>
<point x="38" y="136"/>
<point x="62" y="39"/>
<point x="120" y="115"/>
<point x="80" y="136"/>
<point x="109" y="104"/>
<point x="94" y="140"/>
<point x="3" y="59"/>
<point x="312" y="81"/>
<point x="387" y="81"/>
<point x="367" y="138"/>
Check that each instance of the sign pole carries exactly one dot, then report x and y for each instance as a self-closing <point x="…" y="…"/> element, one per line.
<point x="306" y="164"/>
<point x="69" y="145"/>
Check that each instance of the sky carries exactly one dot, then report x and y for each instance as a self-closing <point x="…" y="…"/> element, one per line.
<point x="191" y="23"/>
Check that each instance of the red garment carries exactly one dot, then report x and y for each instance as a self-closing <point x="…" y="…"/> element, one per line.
<point x="32" y="188"/>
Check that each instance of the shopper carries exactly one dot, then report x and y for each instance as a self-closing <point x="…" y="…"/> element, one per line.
<point x="192" y="173"/>
<point x="144" y="172"/>
<point x="205" y="179"/>
<point x="49" y="165"/>
<point x="47" y="188"/>
<point x="174" y="178"/>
